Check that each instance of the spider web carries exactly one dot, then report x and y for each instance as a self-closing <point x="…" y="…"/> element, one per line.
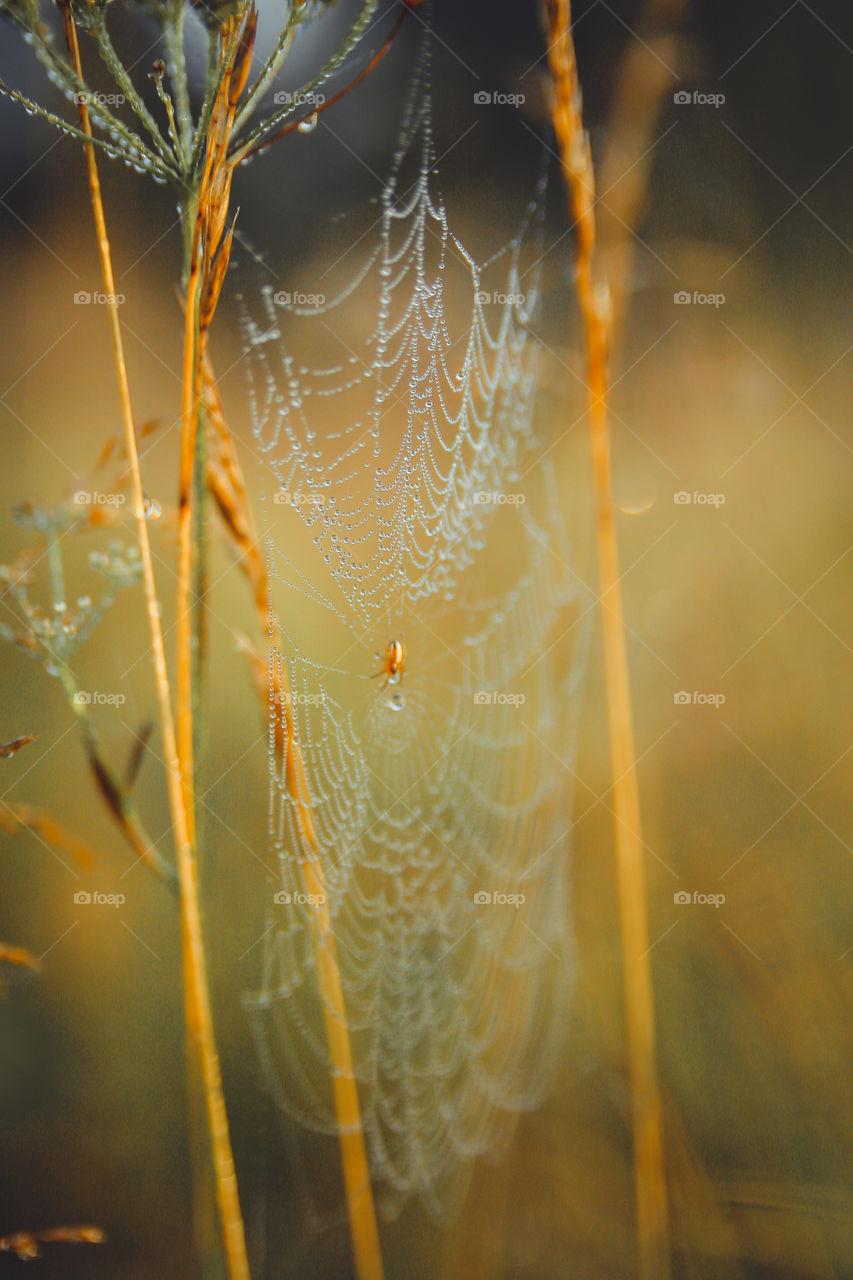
<point x="440" y="798"/>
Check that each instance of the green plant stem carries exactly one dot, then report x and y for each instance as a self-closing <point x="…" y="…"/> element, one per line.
<point x="57" y="576"/>
<point x="116" y="151"/>
<point x="118" y="71"/>
<point x="173" y="36"/>
<point x="74" y="84"/>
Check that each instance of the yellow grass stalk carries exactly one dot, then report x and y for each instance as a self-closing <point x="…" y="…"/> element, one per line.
<point x="649" y="1173"/>
<point x="210" y="248"/>
<point x="196" y="993"/>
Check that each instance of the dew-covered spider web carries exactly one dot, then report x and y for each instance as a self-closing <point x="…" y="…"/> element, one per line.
<point x="412" y="503"/>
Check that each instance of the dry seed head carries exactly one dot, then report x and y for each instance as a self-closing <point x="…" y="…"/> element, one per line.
<point x="215" y="14"/>
<point x="90" y="15"/>
<point x="243" y="61"/>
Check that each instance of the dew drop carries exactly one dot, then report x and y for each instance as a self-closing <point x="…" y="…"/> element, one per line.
<point x="309" y="125"/>
<point x="396" y="702"/>
<point x="151" y="508"/>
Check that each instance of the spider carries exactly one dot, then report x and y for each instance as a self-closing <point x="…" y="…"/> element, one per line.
<point x="393" y="664"/>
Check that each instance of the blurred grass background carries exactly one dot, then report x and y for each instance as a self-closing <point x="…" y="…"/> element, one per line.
<point x="750" y="599"/>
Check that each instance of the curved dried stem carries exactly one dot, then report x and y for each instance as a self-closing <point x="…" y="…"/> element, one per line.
<point x="227" y="486"/>
<point x="594" y="300"/>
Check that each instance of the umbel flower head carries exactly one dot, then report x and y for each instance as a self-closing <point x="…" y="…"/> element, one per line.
<point x="172" y="144"/>
<point x="24" y="13"/>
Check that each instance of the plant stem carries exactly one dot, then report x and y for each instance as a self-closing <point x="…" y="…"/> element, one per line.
<point x="192" y="554"/>
<point x="173" y="35"/>
<point x="57" y="576"/>
<point x="227" y="486"/>
<point x="196" y="994"/>
<point x="649" y="1173"/>
<point x="118" y="71"/>
<point x="187" y="689"/>
<point x="364" y="1232"/>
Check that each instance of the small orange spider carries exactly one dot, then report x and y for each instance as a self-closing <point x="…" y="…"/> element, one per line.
<point x="393" y="664"/>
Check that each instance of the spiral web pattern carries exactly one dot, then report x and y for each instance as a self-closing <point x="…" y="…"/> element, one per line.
<point x="440" y="799"/>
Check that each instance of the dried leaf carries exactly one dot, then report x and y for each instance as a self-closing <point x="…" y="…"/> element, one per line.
<point x="107" y="785"/>
<point x="15" y="816"/>
<point x="214" y="282"/>
<point x="137" y="754"/>
<point x="9" y="749"/>
<point x="115" y="446"/>
<point x="26" y="1243"/>
<point x="243" y="60"/>
<point x="73" y="1235"/>
<point x="19" y="958"/>
<point x="228" y="488"/>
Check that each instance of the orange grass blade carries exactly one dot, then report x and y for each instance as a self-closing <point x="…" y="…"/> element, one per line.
<point x="196" y="994"/>
<point x="26" y="1243"/>
<point x="9" y="749"/>
<point x="364" y="1231"/>
<point x="18" y="958"/>
<point x="15" y="816"/>
<point x="649" y="1173"/>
